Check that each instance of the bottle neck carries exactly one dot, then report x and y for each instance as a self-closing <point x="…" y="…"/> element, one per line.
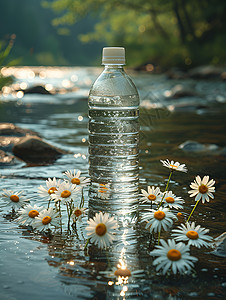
<point x="113" y="67"/>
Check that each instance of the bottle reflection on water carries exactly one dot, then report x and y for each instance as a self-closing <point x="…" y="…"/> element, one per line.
<point x="113" y="137"/>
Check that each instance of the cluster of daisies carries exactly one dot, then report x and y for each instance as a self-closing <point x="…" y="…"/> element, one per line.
<point x="56" y="192"/>
<point x="172" y="255"/>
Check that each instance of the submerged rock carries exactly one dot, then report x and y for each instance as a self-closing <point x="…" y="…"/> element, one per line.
<point x="26" y="145"/>
<point x="33" y="150"/>
<point x="38" y="89"/>
<point x="193" y="146"/>
<point x="220" y="245"/>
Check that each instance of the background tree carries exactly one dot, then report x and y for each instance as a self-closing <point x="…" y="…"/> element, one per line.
<point x="165" y="32"/>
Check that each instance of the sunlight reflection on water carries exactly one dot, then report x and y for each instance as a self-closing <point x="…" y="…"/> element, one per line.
<point x="62" y="269"/>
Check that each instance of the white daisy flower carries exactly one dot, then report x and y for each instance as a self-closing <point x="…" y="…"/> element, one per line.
<point x="103" y="191"/>
<point x="174" y="165"/>
<point x="66" y="191"/>
<point x="14" y="199"/>
<point x="152" y="195"/>
<point x="77" y="213"/>
<point x="101" y="229"/>
<point x="51" y="188"/>
<point x="28" y="214"/>
<point x="173" y="256"/>
<point x="202" y="189"/>
<point x="172" y="201"/>
<point x="195" y="235"/>
<point x="47" y="218"/>
<point x="158" y="219"/>
<point x="76" y="179"/>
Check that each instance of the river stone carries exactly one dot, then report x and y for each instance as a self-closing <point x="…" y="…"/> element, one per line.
<point x="9" y="129"/>
<point x="33" y="150"/>
<point x="220" y="245"/>
<point x="193" y="146"/>
<point x="38" y="89"/>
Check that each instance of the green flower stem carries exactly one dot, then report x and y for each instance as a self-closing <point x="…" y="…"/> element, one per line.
<point x="49" y="203"/>
<point x="82" y="200"/>
<point x="166" y="188"/>
<point x="87" y="242"/>
<point x="193" y="210"/>
<point x="68" y="214"/>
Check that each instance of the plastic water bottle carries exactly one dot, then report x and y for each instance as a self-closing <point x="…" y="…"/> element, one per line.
<point x="113" y="135"/>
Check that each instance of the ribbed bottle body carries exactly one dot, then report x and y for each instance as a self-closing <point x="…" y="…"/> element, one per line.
<point x="113" y="138"/>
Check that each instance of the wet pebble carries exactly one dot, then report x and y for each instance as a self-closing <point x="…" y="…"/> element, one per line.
<point x="196" y="147"/>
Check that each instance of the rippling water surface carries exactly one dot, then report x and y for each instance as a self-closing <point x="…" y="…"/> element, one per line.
<point x="33" y="266"/>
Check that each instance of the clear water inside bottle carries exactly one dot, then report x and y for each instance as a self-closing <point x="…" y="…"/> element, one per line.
<point x="113" y="151"/>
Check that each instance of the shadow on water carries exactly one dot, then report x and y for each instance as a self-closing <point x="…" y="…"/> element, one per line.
<point x="35" y="265"/>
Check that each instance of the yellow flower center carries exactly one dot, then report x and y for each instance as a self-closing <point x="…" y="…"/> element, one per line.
<point x="203" y="189"/>
<point x="169" y="200"/>
<point x="151" y="197"/>
<point x="174" y="254"/>
<point x="46" y="220"/>
<point x="173" y="166"/>
<point x="193" y="235"/>
<point x="52" y="190"/>
<point x="159" y="215"/>
<point x="65" y="194"/>
<point x="123" y="272"/>
<point x="75" y="181"/>
<point x="33" y="213"/>
<point x="101" y="229"/>
<point x="14" y="198"/>
<point x="77" y="212"/>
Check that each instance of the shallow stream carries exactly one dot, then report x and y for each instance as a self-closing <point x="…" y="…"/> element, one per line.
<point x="35" y="266"/>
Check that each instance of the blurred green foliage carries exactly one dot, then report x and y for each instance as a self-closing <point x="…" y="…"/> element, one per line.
<point x="5" y="49"/>
<point x="164" y="32"/>
<point x="38" y="42"/>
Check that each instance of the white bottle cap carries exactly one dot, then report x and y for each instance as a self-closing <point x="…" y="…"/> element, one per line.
<point x="113" y="56"/>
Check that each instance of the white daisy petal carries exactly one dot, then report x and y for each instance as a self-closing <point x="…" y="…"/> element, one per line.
<point x="74" y="178"/>
<point x="194" y="234"/>
<point x="101" y="229"/>
<point x="174" y="165"/>
<point x="161" y="218"/>
<point x="28" y="213"/>
<point x="65" y="192"/>
<point x="47" y="218"/>
<point x="13" y="199"/>
<point x="172" y="256"/>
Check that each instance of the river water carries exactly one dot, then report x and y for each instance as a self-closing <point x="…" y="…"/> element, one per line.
<point x="190" y="129"/>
